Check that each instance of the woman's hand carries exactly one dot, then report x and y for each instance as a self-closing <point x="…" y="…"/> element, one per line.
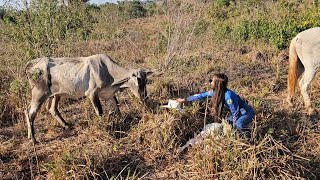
<point x="180" y="100"/>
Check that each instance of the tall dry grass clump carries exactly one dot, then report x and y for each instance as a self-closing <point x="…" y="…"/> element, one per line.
<point x="232" y="158"/>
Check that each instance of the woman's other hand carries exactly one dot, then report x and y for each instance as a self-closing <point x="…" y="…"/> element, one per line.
<point x="180" y="100"/>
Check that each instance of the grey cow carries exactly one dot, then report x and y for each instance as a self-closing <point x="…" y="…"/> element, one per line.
<point x="95" y="77"/>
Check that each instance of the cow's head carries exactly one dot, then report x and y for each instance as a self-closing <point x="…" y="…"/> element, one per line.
<point x="137" y="83"/>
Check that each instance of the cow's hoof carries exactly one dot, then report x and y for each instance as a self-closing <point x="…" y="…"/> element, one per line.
<point x="33" y="140"/>
<point x="290" y="104"/>
<point x="68" y="127"/>
<point x="182" y="149"/>
<point x="289" y="101"/>
<point x="311" y="111"/>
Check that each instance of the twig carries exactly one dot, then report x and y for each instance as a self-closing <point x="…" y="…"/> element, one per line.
<point x="12" y="172"/>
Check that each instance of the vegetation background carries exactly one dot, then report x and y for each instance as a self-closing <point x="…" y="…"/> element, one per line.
<point x="187" y="40"/>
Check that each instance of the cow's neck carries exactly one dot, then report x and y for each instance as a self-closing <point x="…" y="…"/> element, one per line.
<point x="119" y="72"/>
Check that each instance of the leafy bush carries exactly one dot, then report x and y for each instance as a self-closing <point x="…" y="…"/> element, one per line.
<point x="276" y="30"/>
<point x="201" y="27"/>
<point x="2" y="12"/>
<point x="224" y="2"/>
<point x="42" y="25"/>
<point x="151" y="8"/>
<point x="132" y="9"/>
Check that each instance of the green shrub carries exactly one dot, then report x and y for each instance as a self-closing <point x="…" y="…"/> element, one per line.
<point x="40" y="28"/>
<point x="261" y="26"/>
<point x="224" y="2"/>
<point x="151" y="8"/>
<point x="223" y="31"/>
<point x="201" y="27"/>
<point x="2" y="12"/>
<point x="132" y="9"/>
<point x="164" y="36"/>
<point x="15" y="86"/>
<point x="110" y="23"/>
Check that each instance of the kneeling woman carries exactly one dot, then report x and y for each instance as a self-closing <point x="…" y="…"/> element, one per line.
<point x="242" y="113"/>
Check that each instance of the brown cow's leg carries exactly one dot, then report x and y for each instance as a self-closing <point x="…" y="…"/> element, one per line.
<point x="37" y="100"/>
<point x="53" y="109"/>
<point x="96" y="104"/>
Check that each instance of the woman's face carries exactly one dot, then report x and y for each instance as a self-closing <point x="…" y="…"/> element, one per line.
<point x="212" y="82"/>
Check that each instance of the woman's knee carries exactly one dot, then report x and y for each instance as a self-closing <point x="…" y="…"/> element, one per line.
<point x="243" y="122"/>
<point x="241" y="125"/>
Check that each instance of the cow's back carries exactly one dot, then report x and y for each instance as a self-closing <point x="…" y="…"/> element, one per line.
<point x="75" y="76"/>
<point x="99" y="70"/>
<point x="69" y="76"/>
<point x="308" y="45"/>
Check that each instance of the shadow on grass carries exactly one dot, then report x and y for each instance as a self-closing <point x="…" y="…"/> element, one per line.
<point x="124" y="166"/>
<point x="120" y="127"/>
<point x="286" y="126"/>
<point x="296" y="131"/>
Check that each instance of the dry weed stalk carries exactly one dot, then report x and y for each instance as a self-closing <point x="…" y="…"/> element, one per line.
<point x="182" y="18"/>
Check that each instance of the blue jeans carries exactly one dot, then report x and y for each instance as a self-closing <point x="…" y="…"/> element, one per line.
<point x="243" y="122"/>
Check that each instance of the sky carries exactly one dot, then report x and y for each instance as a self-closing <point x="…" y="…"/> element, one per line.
<point x="2" y="2"/>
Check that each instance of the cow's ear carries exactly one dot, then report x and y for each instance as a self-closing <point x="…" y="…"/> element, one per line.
<point x="153" y="73"/>
<point x="149" y="72"/>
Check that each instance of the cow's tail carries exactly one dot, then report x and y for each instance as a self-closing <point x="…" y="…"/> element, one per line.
<point x="294" y="73"/>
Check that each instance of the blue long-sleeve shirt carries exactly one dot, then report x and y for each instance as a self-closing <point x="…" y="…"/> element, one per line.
<point x="231" y="100"/>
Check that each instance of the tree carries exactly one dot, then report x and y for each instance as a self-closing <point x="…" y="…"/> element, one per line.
<point x="132" y="9"/>
<point x="67" y="2"/>
<point x="2" y="12"/>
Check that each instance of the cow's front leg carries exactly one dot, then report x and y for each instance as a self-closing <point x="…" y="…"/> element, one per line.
<point x="96" y="103"/>
<point x="112" y="105"/>
<point x="115" y="104"/>
<point x="38" y="97"/>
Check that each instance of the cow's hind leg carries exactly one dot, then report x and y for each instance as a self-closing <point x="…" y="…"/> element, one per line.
<point x="38" y="98"/>
<point x="53" y="109"/>
<point x="304" y="86"/>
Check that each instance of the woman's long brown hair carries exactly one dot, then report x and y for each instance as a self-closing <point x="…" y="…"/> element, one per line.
<point x="220" y="87"/>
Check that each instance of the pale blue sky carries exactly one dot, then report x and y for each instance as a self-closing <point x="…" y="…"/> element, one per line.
<point x="101" y="1"/>
<point x="2" y="2"/>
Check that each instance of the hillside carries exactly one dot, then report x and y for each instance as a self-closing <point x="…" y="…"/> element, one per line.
<point x="187" y="41"/>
